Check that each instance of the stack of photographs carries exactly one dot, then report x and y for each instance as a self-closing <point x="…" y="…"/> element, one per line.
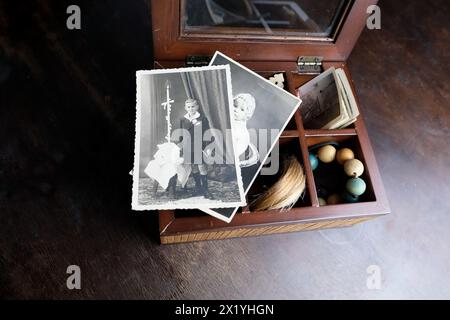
<point x="328" y="101"/>
<point x="203" y="135"/>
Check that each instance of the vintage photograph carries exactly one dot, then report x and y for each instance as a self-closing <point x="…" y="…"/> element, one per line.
<point x="184" y="155"/>
<point x="328" y="101"/>
<point x="320" y="101"/>
<point x="261" y="111"/>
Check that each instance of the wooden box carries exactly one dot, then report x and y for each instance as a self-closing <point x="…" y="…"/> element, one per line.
<point x="268" y="53"/>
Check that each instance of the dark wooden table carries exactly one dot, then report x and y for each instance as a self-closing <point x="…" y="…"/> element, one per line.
<point x="67" y="112"/>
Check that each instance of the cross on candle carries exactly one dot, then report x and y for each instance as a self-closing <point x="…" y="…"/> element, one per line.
<point x="167" y="106"/>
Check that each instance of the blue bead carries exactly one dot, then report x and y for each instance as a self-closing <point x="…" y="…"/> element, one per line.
<point x="356" y="186"/>
<point x="314" y="161"/>
<point x="349" y="198"/>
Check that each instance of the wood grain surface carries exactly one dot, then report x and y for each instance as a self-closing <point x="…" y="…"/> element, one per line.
<point x="67" y="115"/>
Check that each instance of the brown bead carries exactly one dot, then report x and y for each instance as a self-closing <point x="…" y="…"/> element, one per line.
<point x="344" y="155"/>
<point x="334" y="199"/>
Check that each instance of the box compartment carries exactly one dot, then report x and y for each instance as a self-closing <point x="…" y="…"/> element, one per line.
<point x="288" y="146"/>
<point x="331" y="178"/>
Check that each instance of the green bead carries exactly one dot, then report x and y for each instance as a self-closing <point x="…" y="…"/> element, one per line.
<point x="314" y="161"/>
<point x="356" y="186"/>
<point x="349" y="198"/>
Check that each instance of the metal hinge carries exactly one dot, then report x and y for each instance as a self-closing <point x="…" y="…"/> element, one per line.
<point x="309" y="65"/>
<point x="197" y="61"/>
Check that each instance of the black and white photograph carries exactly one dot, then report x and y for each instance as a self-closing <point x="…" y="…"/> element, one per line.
<point x="184" y="155"/>
<point x="261" y="111"/>
<point x="320" y="98"/>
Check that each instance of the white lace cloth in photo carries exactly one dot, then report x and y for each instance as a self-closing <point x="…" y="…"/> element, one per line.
<point x="166" y="164"/>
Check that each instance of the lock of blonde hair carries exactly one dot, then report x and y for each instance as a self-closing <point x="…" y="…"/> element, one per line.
<point x="286" y="191"/>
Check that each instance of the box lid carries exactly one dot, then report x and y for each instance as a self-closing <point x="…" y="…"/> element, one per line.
<point x="257" y="30"/>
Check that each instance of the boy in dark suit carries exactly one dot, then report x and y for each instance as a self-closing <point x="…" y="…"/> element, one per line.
<point x="192" y="151"/>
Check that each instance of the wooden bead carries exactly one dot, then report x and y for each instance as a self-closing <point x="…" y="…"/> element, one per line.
<point x="327" y="153"/>
<point x="344" y="155"/>
<point x="334" y="199"/>
<point x="356" y="186"/>
<point x="322" y="202"/>
<point x="353" y="168"/>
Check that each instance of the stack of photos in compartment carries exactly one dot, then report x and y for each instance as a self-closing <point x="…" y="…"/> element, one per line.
<point x="328" y="101"/>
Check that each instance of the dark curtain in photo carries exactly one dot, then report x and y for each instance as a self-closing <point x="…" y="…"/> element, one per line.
<point x="152" y="130"/>
<point x="210" y="90"/>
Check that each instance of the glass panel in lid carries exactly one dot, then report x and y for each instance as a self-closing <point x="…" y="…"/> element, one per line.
<point x="263" y="19"/>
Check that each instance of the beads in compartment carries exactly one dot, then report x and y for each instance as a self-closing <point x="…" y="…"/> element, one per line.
<point x="349" y="190"/>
